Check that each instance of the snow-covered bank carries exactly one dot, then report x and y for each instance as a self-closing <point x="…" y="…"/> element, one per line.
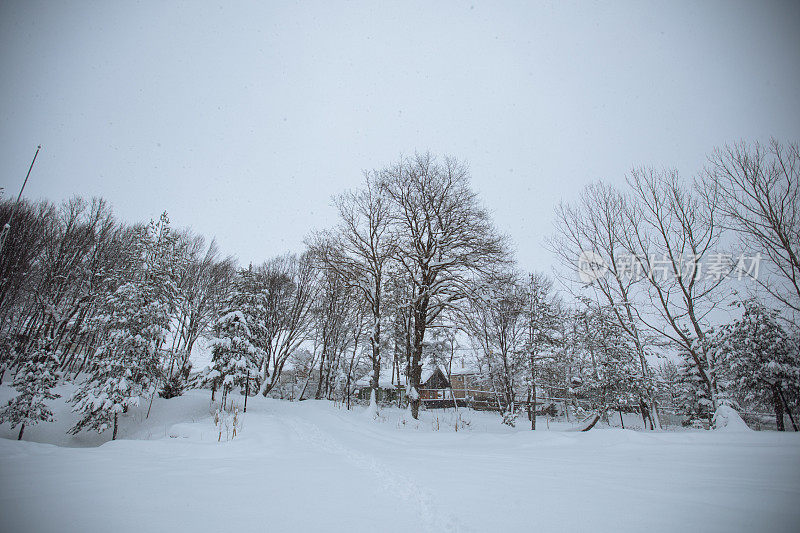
<point x="313" y="466"/>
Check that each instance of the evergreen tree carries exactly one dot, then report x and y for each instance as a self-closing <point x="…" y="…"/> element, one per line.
<point x="693" y="398"/>
<point x="233" y="353"/>
<point x="133" y="324"/>
<point x="235" y="356"/>
<point x="33" y="382"/>
<point x="127" y="363"/>
<point x="762" y="357"/>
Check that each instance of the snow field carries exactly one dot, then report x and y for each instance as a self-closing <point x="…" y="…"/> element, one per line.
<point x="313" y="466"/>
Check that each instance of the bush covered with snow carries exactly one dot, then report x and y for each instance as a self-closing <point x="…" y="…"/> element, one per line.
<point x="726" y="418"/>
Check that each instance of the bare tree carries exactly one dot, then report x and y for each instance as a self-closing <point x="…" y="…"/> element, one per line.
<point x="757" y="192"/>
<point x="670" y="232"/>
<point x="495" y="320"/>
<point x="541" y="318"/>
<point x="201" y="286"/>
<point x="444" y="236"/>
<point x="596" y="227"/>
<point x="359" y="250"/>
<point x="335" y="313"/>
<point x="285" y="292"/>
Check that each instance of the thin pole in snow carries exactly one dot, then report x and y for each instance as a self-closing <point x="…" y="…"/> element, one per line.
<point x="7" y="226"/>
<point x="246" y="390"/>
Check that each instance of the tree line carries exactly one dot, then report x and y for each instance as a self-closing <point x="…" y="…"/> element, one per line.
<point x="415" y="272"/>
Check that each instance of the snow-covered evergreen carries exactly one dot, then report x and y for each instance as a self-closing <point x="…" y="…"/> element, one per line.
<point x="762" y="357"/>
<point x="693" y="398"/>
<point x="33" y="382"/>
<point x="134" y="323"/>
<point x="233" y="353"/>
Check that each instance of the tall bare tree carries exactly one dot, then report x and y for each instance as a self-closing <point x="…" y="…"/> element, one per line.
<point x="757" y="192"/>
<point x="674" y="236"/>
<point x="285" y="290"/>
<point x="359" y="250"/>
<point x="201" y="286"/>
<point x="595" y="227"/>
<point x="444" y="236"/>
<point x="495" y="321"/>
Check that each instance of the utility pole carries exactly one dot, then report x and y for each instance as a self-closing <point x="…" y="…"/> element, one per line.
<point x="7" y="226"/>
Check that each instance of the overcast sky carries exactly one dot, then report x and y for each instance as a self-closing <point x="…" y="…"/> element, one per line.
<point x="242" y="119"/>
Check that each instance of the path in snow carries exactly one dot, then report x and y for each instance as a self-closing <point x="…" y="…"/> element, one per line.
<point x="393" y="482"/>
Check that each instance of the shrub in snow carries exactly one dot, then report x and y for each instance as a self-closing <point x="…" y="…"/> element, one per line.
<point x="33" y="382"/>
<point x="372" y="409"/>
<point x="228" y="422"/>
<point x="727" y="419"/>
<point x="510" y="418"/>
<point x="173" y="387"/>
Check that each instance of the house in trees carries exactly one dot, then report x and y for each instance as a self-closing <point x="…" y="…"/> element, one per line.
<point x="465" y="386"/>
<point x="435" y="390"/>
<point x="472" y="388"/>
<point x="391" y="387"/>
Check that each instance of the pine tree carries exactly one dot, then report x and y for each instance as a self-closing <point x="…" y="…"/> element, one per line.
<point x="133" y="324"/>
<point x="693" y="396"/>
<point x="618" y="382"/>
<point x="33" y="382"/>
<point x="127" y="363"/>
<point x="234" y="356"/>
<point x="762" y="357"/>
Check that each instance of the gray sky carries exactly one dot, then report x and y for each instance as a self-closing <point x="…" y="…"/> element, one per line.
<point x="243" y="119"/>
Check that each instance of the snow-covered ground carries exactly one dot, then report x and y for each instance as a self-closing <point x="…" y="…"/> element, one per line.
<point x="313" y="466"/>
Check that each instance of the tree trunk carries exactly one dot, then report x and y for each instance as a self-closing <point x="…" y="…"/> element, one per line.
<point x="646" y="414"/>
<point x="529" y="405"/>
<point x="533" y="404"/>
<point x="21" y="430"/>
<point x="415" y="374"/>
<point x="376" y="356"/>
<point x="246" y="391"/>
<point x="778" y="405"/>
<point x="788" y="410"/>
<point x="320" y="379"/>
<point x="114" y="436"/>
<point x="532" y="392"/>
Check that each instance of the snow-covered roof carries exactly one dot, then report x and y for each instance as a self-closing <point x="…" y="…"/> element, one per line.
<point x="463" y="367"/>
<point x="458" y="368"/>
<point x="385" y="379"/>
<point x="430" y="370"/>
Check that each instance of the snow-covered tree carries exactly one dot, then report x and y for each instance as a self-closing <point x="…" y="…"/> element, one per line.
<point x="444" y="237"/>
<point x="541" y="322"/>
<point x="127" y="363"/>
<point x="133" y="324"/>
<point x="33" y="382"/>
<point x="233" y="354"/>
<point x="693" y="395"/>
<point x="762" y="357"/>
<point x="359" y="250"/>
<point x="495" y="322"/>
